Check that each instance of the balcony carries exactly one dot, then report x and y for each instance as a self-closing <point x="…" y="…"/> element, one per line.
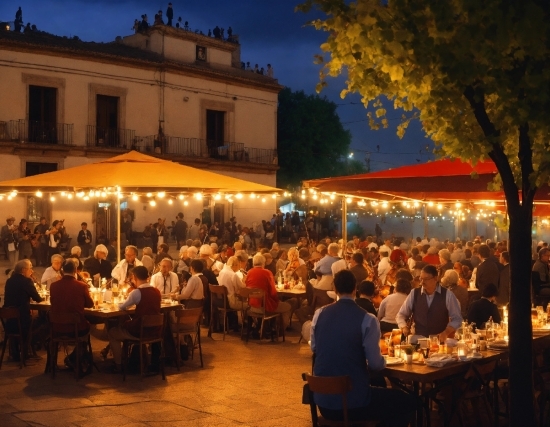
<point x="196" y="147"/>
<point x="110" y="138"/>
<point x="36" y="132"/>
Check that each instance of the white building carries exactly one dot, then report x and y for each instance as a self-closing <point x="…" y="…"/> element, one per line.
<point x="167" y="92"/>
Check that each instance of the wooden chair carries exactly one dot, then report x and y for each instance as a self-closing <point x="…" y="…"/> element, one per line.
<point x="261" y="315"/>
<point x="7" y="314"/>
<point x="218" y="292"/>
<point x="188" y="323"/>
<point x="151" y="331"/>
<point x="69" y="320"/>
<point x="329" y="385"/>
<point x="242" y="296"/>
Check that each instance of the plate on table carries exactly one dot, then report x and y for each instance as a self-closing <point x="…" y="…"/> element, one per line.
<point x="390" y="360"/>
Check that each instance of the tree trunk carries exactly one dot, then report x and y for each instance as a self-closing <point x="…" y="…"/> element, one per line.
<point x="522" y="411"/>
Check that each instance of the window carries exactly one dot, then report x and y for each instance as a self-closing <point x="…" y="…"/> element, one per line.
<point x="42" y="123"/>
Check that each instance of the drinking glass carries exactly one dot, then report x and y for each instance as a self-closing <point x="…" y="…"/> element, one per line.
<point x="434" y="343"/>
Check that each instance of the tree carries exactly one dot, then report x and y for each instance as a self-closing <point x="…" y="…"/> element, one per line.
<point x="312" y="143"/>
<point x="478" y="76"/>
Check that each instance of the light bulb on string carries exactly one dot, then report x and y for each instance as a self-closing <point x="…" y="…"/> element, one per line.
<point x="149" y="194"/>
<point x="198" y="196"/>
<point x="86" y="198"/>
<point x="239" y="196"/>
<point x="152" y="202"/>
<point x="70" y="196"/>
<point x="103" y="194"/>
<point x="52" y="198"/>
<point x="181" y="197"/>
<point x="38" y="193"/>
<point x="63" y="194"/>
<point x="185" y="203"/>
<point x="161" y="194"/>
<point x="170" y="201"/>
<point x="135" y="197"/>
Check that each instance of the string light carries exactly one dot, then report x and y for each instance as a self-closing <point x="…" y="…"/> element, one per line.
<point x="161" y="194"/>
<point x="152" y="203"/>
<point x="181" y="197"/>
<point x="38" y="193"/>
<point x="170" y="201"/>
<point x="135" y="197"/>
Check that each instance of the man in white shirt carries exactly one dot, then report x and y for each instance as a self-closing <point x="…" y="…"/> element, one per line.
<point x="386" y="247"/>
<point x="228" y="277"/>
<point x="384" y="266"/>
<point x="120" y="272"/>
<point x="166" y="281"/>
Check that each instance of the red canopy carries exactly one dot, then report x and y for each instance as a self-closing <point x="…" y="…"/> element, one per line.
<point x="440" y="181"/>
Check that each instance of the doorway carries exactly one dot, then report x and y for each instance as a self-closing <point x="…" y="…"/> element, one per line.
<point x="42" y="125"/>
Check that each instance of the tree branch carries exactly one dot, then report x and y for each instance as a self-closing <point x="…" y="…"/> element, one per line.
<point x="496" y="154"/>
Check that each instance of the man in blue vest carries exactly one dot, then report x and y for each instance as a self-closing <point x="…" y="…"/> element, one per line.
<point x="346" y="341"/>
<point x="434" y="309"/>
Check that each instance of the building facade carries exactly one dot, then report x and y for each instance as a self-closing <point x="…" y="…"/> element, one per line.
<point x="167" y="92"/>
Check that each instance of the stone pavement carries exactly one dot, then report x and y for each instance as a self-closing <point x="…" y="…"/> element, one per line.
<point x="254" y="384"/>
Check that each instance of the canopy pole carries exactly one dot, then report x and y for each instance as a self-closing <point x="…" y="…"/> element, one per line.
<point x="118" y="225"/>
<point x="425" y="220"/>
<point x="344" y="221"/>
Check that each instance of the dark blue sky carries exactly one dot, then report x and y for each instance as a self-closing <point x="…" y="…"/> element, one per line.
<point x="269" y="31"/>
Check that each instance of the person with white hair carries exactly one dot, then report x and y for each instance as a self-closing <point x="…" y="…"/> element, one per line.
<point x="76" y="252"/>
<point x="53" y="273"/>
<point x="121" y="270"/>
<point x="98" y="264"/>
<point x="228" y="277"/>
<point x="192" y="252"/>
<point x="166" y="281"/>
<point x="147" y="258"/>
<point x="183" y="263"/>
<point x="450" y="281"/>
<point x="260" y="278"/>
<point x="205" y="253"/>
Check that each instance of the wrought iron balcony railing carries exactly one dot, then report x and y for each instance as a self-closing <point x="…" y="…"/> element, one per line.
<point x="110" y="138"/>
<point x="36" y="132"/>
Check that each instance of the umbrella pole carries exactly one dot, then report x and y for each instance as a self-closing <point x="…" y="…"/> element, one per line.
<point x="118" y="226"/>
<point x="344" y="221"/>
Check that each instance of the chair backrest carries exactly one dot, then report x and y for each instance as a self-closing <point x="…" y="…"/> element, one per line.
<point x="152" y="326"/>
<point x="188" y="317"/>
<point x="331" y="385"/>
<point x="257" y="294"/>
<point x="320" y="298"/>
<point x="7" y="313"/>
<point x="218" y="289"/>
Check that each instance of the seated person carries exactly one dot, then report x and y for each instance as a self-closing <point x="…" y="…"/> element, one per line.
<point x="147" y="259"/>
<point x="162" y="253"/>
<point x="389" y="307"/>
<point x="166" y="281"/>
<point x="18" y="292"/>
<point x="53" y="273"/>
<point x="346" y="341"/>
<point x="366" y="292"/>
<point x="69" y="295"/>
<point x="192" y="294"/>
<point x="98" y="264"/>
<point x="147" y="301"/>
<point x="481" y="310"/>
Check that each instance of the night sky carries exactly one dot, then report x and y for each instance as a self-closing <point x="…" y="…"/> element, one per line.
<point x="269" y="32"/>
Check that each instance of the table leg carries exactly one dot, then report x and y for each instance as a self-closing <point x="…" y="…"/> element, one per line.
<point x="496" y="409"/>
<point x="420" y="408"/>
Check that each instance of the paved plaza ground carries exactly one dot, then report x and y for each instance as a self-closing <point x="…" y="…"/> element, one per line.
<point x="254" y="384"/>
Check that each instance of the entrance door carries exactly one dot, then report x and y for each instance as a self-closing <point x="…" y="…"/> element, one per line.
<point x="105" y="225"/>
<point x="215" y="131"/>
<point x="42" y="126"/>
<point x="107" y="120"/>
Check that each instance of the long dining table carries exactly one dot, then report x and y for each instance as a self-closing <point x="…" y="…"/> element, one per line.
<point x="419" y="374"/>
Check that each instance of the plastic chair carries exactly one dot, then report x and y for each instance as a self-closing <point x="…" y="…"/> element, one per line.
<point x="261" y="315"/>
<point x="151" y="331"/>
<point x="218" y="292"/>
<point x="12" y="313"/>
<point x="69" y="320"/>
<point x="188" y="323"/>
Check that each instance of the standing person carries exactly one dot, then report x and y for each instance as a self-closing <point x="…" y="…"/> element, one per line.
<point x="487" y="270"/>
<point x="18" y="291"/>
<point x="346" y="341"/>
<point x="180" y="229"/>
<point x="435" y="310"/>
<point x="24" y="245"/>
<point x="269" y="71"/>
<point x="54" y="238"/>
<point x="40" y="231"/>
<point x="8" y="237"/>
<point x="18" y="20"/>
<point x="169" y="14"/>
<point x="147" y="301"/>
<point x="193" y="232"/>
<point x="84" y="240"/>
<point x="378" y="232"/>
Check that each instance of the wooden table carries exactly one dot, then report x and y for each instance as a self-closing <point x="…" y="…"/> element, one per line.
<point x="292" y="293"/>
<point x="423" y="374"/>
<point x="106" y="312"/>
